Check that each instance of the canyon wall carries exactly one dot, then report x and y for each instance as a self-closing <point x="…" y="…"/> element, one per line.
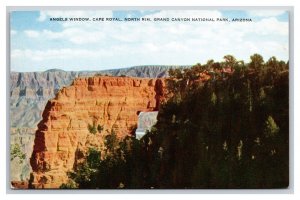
<point x="63" y="136"/>
<point x="29" y="93"/>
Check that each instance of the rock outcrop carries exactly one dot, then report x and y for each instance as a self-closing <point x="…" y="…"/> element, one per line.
<point x="29" y="93"/>
<point x="63" y="136"/>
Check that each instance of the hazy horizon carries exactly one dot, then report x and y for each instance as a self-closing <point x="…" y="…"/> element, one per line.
<point x="108" y="69"/>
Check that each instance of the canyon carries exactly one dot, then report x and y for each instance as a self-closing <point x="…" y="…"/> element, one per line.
<point x="29" y="93"/>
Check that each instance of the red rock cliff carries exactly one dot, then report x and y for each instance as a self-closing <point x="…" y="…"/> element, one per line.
<point x="62" y="138"/>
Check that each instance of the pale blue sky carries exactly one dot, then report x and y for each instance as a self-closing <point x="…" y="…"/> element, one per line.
<point x="38" y="44"/>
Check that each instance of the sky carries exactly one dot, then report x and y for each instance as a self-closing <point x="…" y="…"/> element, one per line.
<point x="38" y="44"/>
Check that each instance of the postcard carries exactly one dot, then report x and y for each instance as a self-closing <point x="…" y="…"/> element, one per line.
<point x="149" y="99"/>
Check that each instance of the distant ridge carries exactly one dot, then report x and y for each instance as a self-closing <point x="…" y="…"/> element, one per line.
<point x="136" y="71"/>
<point x="54" y="70"/>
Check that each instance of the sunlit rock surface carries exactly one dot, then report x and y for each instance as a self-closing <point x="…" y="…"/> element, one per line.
<point x="63" y="137"/>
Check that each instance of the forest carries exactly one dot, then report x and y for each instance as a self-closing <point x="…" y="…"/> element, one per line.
<point x="224" y="125"/>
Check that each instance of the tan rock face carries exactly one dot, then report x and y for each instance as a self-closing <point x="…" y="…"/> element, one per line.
<point x="63" y="137"/>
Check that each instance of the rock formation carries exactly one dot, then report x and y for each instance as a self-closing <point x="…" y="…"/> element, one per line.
<point x="63" y="136"/>
<point x="29" y="93"/>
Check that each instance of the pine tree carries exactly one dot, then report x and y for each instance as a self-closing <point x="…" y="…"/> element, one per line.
<point x="271" y="128"/>
<point x="213" y="98"/>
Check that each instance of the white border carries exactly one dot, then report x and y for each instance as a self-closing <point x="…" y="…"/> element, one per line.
<point x="294" y="95"/>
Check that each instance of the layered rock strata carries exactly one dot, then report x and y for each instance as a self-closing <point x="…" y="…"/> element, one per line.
<point x="63" y="136"/>
<point x="29" y="93"/>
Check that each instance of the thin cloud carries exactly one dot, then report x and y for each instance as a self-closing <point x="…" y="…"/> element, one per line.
<point x="266" y="13"/>
<point x="32" y="33"/>
<point x="65" y="53"/>
<point x="13" y="32"/>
